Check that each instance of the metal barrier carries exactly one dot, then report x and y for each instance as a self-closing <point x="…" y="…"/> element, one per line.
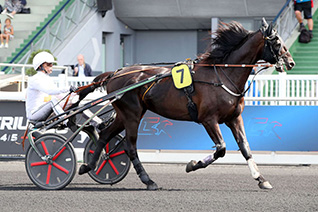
<point x="283" y="89"/>
<point x="18" y="76"/>
<point x="21" y="76"/>
<point x="61" y="80"/>
<point x="285" y="21"/>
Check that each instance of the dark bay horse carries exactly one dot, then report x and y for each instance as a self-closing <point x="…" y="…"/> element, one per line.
<point x="232" y="44"/>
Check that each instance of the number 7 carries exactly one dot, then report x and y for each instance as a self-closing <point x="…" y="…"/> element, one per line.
<point x="182" y="73"/>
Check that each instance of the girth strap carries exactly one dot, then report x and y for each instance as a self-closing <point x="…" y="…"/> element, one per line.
<point x="192" y="107"/>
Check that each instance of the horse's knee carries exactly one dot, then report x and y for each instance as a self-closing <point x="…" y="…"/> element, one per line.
<point x="130" y="150"/>
<point x="220" y="151"/>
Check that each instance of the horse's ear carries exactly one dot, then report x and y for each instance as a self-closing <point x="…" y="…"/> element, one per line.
<point x="264" y="23"/>
<point x="269" y="29"/>
<point x="264" y="26"/>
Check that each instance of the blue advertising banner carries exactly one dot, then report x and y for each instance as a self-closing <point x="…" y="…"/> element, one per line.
<point x="268" y="128"/>
<point x="13" y="123"/>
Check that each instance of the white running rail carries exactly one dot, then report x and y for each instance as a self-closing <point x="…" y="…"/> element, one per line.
<point x="281" y="89"/>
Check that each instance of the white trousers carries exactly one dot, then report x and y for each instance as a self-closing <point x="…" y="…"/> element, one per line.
<point x="45" y="110"/>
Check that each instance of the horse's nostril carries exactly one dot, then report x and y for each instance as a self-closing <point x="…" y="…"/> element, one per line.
<point x="292" y="64"/>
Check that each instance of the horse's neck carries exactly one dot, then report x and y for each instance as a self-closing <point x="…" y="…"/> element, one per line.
<point x="249" y="53"/>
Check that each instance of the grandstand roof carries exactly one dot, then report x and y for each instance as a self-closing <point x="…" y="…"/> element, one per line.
<point x="189" y="14"/>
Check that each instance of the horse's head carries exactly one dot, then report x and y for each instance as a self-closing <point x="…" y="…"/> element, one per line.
<point x="275" y="50"/>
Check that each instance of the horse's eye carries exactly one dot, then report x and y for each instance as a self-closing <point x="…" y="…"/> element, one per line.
<point x="277" y="45"/>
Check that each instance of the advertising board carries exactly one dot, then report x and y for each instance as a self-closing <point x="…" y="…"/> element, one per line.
<point x="268" y="128"/>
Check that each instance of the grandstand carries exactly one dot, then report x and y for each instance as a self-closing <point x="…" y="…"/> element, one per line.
<point x="26" y="24"/>
<point x="306" y="55"/>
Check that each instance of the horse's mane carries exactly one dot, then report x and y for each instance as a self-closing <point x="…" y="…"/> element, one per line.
<point x="227" y="38"/>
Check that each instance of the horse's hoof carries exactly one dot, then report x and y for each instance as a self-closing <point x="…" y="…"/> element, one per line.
<point x="265" y="185"/>
<point x="152" y="186"/>
<point x="190" y="166"/>
<point x="84" y="169"/>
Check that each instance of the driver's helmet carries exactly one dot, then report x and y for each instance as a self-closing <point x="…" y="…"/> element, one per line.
<point x="42" y="57"/>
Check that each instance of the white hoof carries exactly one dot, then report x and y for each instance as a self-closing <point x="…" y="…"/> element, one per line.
<point x="265" y="185"/>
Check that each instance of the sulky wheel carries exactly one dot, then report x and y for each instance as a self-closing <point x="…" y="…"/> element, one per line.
<point x="113" y="164"/>
<point x="51" y="173"/>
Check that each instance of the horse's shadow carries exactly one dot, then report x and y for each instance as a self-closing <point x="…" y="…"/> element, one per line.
<point x="75" y="187"/>
<point x="88" y="187"/>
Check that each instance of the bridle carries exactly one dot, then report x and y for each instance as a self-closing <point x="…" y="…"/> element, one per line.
<point x="273" y="55"/>
<point x="269" y="43"/>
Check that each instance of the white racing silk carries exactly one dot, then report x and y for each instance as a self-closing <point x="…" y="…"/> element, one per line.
<point x="40" y="86"/>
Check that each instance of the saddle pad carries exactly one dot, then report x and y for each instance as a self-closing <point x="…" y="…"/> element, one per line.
<point x="181" y="76"/>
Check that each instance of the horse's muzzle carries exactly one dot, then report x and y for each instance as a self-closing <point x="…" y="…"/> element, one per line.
<point x="290" y="65"/>
<point x="289" y="62"/>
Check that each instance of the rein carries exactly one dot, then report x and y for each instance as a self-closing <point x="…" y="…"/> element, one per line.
<point x="116" y="76"/>
<point x="220" y="83"/>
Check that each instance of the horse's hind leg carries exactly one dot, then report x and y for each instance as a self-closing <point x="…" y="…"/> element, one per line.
<point x="237" y="128"/>
<point x="214" y="132"/>
<point x="104" y="137"/>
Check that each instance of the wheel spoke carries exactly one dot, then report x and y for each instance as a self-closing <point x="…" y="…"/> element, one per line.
<point x="101" y="167"/>
<point x="107" y="147"/>
<point x="39" y="163"/>
<point x="113" y="166"/>
<point x="58" y="154"/>
<point x="48" y="174"/>
<point x="44" y="148"/>
<point x="60" y="168"/>
<point x="117" y="153"/>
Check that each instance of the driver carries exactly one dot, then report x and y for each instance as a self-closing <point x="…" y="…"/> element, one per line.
<point x="39" y="102"/>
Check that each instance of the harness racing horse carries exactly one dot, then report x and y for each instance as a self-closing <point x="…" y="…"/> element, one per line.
<point x="215" y="104"/>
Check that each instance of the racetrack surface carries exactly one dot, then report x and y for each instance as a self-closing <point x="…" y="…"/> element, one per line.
<point x="216" y="188"/>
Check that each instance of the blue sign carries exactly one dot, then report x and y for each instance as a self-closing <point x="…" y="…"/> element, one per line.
<point x="268" y="128"/>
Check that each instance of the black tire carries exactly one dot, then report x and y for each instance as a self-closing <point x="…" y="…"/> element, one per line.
<point x="111" y="168"/>
<point x="60" y="171"/>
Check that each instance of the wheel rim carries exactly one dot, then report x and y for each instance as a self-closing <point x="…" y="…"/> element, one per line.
<point x="56" y="172"/>
<point x="112" y="166"/>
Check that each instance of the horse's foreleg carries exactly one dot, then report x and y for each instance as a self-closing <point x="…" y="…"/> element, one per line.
<point x="131" y="137"/>
<point x="104" y="137"/>
<point x="214" y="132"/>
<point x="237" y="128"/>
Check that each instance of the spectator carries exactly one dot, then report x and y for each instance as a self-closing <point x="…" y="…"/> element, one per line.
<point x="11" y="7"/>
<point x="7" y="33"/>
<point x="23" y="2"/>
<point x="82" y="69"/>
<point x="304" y="6"/>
